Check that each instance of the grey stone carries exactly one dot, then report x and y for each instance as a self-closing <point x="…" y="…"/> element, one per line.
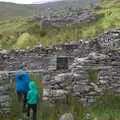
<point x="67" y="116"/>
<point x="97" y="56"/>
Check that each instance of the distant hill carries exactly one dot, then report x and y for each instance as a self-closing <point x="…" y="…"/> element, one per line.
<point x="70" y="2"/>
<point x="12" y="10"/>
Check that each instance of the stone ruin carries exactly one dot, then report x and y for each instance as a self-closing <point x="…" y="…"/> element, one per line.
<point x="68" y="16"/>
<point x="84" y="69"/>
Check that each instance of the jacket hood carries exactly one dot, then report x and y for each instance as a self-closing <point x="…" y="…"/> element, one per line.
<point x="32" y="85"/>
<point x="23" y="70"/>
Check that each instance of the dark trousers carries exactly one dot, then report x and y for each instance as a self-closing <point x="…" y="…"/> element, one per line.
<point x="22" y="98"/>
<point x="34" y="109"/>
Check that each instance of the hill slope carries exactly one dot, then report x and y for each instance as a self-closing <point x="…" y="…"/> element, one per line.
<point x="12" y="10"/>
<point x="28" y="33"/>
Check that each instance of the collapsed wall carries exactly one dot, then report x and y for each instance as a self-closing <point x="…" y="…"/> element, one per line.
<point x="92" y="67"/>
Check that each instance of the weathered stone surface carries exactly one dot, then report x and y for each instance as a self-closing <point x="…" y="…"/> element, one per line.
<point x="97" y="56"/>
<point x="67" y="116"/>
<point x="109" y="40"/>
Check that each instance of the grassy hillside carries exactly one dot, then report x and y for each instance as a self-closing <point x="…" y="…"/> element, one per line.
<point x="16" y="11"/>
<point x="12" y="11"/>
<point x="28" y="33"/>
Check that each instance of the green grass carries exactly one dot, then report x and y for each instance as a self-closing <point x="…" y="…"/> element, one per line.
<point x="49" y="111"/>
<point x="27" y="33"/>
<point x="107" y="107"/>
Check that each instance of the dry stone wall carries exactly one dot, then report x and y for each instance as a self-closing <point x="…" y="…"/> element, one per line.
<point x="68" y="16"/>
<point x="37" y="58"/>
<point x="92" y="76"/>
<point x="4" y="91"/>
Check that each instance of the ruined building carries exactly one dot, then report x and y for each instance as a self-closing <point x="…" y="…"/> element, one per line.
<point x="84" y="69"/>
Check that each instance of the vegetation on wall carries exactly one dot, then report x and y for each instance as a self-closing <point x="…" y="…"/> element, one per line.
<point x="93" y="76"/>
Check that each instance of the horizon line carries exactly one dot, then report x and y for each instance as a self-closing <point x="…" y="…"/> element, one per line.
<point x="39" y="2"/>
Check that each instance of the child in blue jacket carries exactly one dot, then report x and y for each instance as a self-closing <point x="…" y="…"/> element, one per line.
<point x="22" y="81"/>
<point x="33" y="97"/>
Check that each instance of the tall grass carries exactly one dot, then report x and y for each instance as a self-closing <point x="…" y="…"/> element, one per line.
<point x="107" y="107"/>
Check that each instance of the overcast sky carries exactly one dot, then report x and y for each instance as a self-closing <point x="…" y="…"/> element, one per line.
<point x="28" y="1"/>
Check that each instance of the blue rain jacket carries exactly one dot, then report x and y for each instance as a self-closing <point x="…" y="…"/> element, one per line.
<point x="22" y="81"/>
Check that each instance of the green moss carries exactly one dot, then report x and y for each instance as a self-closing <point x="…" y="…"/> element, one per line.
<point x="115" y="50"/>
<point x="93" y="76"/>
